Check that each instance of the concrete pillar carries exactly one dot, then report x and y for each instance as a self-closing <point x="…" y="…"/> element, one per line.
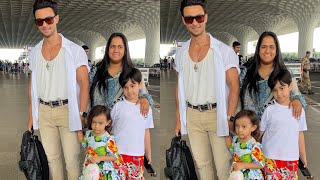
<point x="243" y="40"/>
<point x="306" y="30"/>
<point x="152" y="32"/>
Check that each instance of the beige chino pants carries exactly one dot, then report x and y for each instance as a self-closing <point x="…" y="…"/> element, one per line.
<point x="206" y="145"/>
<point x="56" y="136"/>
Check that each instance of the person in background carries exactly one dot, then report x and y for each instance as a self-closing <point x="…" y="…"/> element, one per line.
<point x="305" y="74"/>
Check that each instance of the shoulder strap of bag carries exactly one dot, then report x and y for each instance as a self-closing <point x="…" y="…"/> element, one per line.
<point x="267" y="102"/>
<point x="117" y="96"/>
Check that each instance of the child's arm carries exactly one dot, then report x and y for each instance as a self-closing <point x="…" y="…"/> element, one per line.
<point x="80" y="136"/>
<point x="96" y="159"/>
<point x="302" y="149"/>
<point x="257" y="162"/>
<point x="111" y="152"/>
<point x="147" y="145"/>
<point x="244" y="165"/>
<point x="228" y="141"/>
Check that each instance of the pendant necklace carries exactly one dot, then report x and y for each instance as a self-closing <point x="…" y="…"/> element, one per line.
<point x="47" y="61"/>
<point x="195" y="67"/>
<point x="47" y="66"/>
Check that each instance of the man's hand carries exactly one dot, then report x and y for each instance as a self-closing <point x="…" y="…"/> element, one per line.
<point x="82" y="121"/>
<point x="30" y="123"/>
<point x="177" y="130"/>
<point x="230" y="124"/>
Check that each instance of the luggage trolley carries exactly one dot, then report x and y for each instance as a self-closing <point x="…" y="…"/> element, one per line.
<point x="145" y="75"/>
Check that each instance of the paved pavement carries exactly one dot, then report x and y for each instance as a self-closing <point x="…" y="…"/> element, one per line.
<point x="167" y="125"/>
<point x="315" y="87"/>
<point x="13" y="90"/>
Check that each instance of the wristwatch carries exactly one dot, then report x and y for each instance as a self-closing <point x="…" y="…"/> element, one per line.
<point x="231" y="118"/>
<point x="83" y="114"/>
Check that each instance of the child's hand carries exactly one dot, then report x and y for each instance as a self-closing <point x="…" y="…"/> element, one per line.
<point x="238" y="166"/>
<point x="149" y="158"/>
<point x="304" y="161"/>
<point x="95" y="159"/>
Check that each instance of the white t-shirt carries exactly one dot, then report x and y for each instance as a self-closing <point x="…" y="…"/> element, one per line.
<point x="51" y="81"/>
<point x="129" y="127"/>
<point x="199" y="84"/>
<point x="281" y="137"/>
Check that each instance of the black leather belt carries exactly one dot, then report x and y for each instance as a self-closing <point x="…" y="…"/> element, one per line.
<point x="203" y="107"/>
<point x="54" y="103"/>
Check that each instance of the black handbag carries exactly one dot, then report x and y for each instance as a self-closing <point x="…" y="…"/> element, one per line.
<point x="33" y="160"/>
<point x="179" y="161"/>
<point x="305" y="171"/>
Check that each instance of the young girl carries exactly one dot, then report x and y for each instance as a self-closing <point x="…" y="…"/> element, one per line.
<point x="101" y="146"/>
<point x="246" y="151"/>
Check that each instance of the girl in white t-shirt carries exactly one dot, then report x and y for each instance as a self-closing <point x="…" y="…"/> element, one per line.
<point x="283" y="139"/>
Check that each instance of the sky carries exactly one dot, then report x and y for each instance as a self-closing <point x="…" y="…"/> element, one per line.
<point x="288" y="43"/>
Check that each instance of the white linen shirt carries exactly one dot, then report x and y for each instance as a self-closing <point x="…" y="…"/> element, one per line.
<point x="75" y="57"/>
<point x="224" y="59"/>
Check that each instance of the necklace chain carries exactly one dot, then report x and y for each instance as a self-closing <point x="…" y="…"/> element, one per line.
<point x="196" y="66"/>
<point x="50" y="54"/>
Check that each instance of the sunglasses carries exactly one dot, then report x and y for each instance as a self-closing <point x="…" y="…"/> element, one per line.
<point x="189" y="19"/>
<point x="48" y="20"/>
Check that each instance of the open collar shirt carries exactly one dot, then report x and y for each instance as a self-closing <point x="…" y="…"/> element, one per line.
<point x="75" y="57"/>
<point x="224" y="59"/>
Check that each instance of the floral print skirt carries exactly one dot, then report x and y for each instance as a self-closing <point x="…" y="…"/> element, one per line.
<point x="134" y="166"/>
<point x="281" y="170"/>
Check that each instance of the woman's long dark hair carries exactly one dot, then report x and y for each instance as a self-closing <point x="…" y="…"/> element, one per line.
<point x="252" y="75"/>
<point x="102" y="67"/>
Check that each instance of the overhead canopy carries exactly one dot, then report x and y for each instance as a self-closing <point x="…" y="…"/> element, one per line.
<point x="83" y="21"/>
<point x="231" y="20"/>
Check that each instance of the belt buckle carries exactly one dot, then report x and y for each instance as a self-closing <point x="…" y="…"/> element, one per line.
<point x="60" y="103"/>
<point x="199" y="108"/>
<point x="209" y="106"/>
<point x="50" y="104"/>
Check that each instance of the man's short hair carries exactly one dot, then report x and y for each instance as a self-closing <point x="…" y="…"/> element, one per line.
<point x="308" y="52"/>
<point x="40" y="4"/>
<point x="236" y="43"/>
<point x="133" y="74"/>
<point x="283" y="76"/>
<point x="185" y="3"/>
<point x="85" y="47"/>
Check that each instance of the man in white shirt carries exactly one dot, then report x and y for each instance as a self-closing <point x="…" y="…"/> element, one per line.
<point x="207" y="92"/>
<point x="58" y="92"/>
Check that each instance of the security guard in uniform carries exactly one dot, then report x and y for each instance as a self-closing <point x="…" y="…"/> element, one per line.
<point x="305" y="69"/>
